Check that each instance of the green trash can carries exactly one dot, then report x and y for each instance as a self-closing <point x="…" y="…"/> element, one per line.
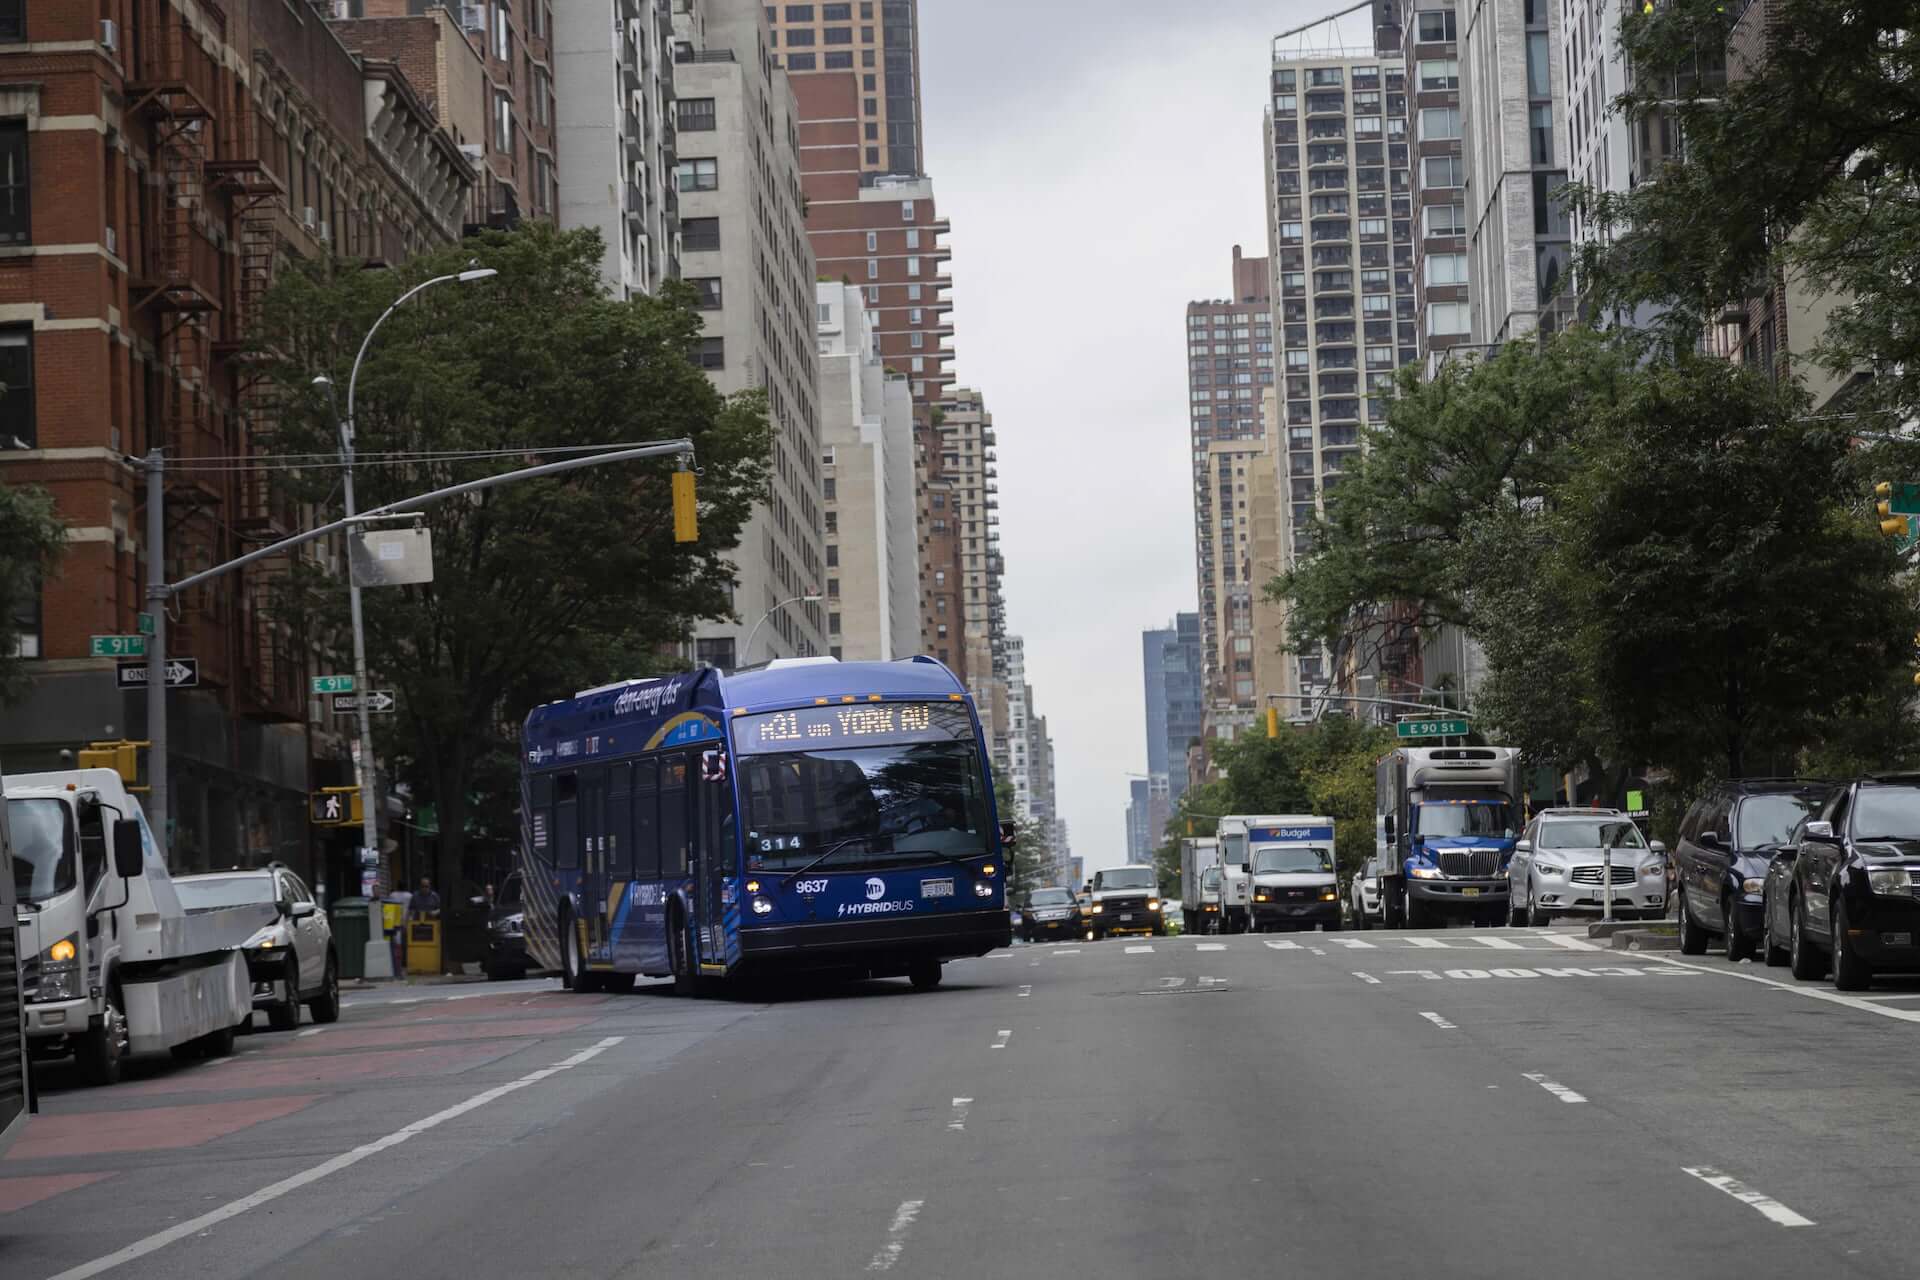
<point x="350" y="933"/>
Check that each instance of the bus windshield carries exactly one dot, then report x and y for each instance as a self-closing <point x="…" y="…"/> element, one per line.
<point x="882" y="805"/>
<point x="42" y="849"/>
<point x="1282" y="859"/>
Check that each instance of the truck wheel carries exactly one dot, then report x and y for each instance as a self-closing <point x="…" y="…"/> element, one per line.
<point x="103" y="1049"/>
<point x="216" y="1044"/>
<point x="325" y="1007"/>
<point x="1416" y="913"/>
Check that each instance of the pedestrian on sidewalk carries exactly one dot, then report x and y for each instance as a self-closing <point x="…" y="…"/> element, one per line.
<point x="401" y="902"/>
<point x="426" y="903"/>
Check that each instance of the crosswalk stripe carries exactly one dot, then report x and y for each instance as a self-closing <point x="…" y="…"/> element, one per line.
<point x="1137" y="951"/>
<point x="1570" y="942"/>
<point x="1284" y="946"/>
<point x="1499" y="944"/>
<point x="1353" y="944"/>
<point x="1431" y="944"/>
<point x="1211" y="946"/>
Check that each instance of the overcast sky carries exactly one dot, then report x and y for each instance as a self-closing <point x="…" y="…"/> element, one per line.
<point x="1099" y="161"/>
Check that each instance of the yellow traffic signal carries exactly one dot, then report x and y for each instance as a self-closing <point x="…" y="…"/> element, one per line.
<point x="121" y="757"/>
<point x="1273" y="722"/>
<point x="1891" y="525"/>
<point x="686" y="518"/>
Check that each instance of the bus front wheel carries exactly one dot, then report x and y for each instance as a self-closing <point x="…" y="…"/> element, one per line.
<point x="685" y="981"/>
<point x="924" y="974"/>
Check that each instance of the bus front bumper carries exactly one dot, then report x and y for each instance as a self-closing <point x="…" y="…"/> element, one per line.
<point x="946" y="936"/>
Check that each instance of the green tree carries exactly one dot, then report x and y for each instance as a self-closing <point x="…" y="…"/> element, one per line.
<point x="1027" y="860"/>
<point x="542" y="586"/>
<point x="32" y="540"/>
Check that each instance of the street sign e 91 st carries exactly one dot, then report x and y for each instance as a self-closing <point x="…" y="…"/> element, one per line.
<point x="1431" y="729"/>
<point x="333" y="684"/>
<point x="117" y="647"/>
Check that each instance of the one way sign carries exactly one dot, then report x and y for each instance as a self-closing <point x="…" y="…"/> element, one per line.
<point x="379" y="701"/>
<point x="182" y="673"/>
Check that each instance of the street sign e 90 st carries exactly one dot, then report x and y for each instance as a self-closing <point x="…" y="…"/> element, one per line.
<point x="1431" y="729"/>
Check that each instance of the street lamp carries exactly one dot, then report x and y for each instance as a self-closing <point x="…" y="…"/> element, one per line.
<point x="363" y="763"/>
<point x="746" y="651"/>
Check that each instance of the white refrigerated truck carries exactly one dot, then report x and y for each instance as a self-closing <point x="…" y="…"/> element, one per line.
<point x="16" y="1088"/>
<point x="113" y="967"/>
<point x="1196" y="855"/>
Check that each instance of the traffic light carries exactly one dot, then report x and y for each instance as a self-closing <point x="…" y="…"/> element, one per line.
<point x="686" y="517"/>
<point x="122" y="757"/>
<point x="1891" y="525"/>
<point x="336" y="807"/>
<point x="1273" y="722"/>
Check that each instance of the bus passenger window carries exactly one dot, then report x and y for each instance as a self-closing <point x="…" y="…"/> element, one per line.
<point x="674" y="828"/>
<point x="566" y="822"/>
<point x="620" y="822"/>
<point x="539" y="816"/>
<point x="646" y="820"/>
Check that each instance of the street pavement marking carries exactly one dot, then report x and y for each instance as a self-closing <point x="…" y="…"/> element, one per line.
<point x="1211" y="946"/>
<point x="896" y="1236"/>
<point x="310" y="1031"/>
<point x="346" y="1160"/>
<point x="1430" y="943"/>
<point x="1554" y="1087"/>
<point x="1284" y="946"/>
<point x="1068" y="951"/>
<point x="1354" y="944"/>
<point x="1814" y="993"/>
<point x="1498" y="944"/>
<point x="1005" y="1035"/>
<point x="1026" y="991"/>
<point x="1770" y="1208"/>
<point x="1367" y="978"/>
<point x="959" y="1121"/>
<point x="1570" y="942"/>
<point x="1438" y="1021"/>
<point x="1319" y="951"/>
<point x="1139" y="951"/>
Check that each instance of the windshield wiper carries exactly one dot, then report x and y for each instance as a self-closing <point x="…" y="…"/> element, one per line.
<point x="821" y="857"/>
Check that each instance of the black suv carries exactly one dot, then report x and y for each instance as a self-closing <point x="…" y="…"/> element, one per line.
<point x="1720" y="860"/>
<point x="1854" y="889"/>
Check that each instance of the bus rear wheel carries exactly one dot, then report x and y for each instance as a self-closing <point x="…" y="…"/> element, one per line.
<point x="573" y="965"/>
<point x="685" y="981"/>
<point x="924" y="974"/>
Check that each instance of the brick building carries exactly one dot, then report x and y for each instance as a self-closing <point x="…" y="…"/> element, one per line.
<point x="879" y="42"/>
<point x="170" y="155"/>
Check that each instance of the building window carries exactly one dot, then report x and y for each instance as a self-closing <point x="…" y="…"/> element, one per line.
<point x="872" y="131"/>
<point x="17" y="429"/>
<point x="1440" y="73"/>
<point x="13" y="20"/>
<point x="800" y="61"/>
<point x="1439" y="123"/>
<point x="695" y="115"/>
<point x="916" y="340"/>
<point x="873" y="295"/>
<point x="873" y="268"/>
<point x="869" y="106"/>
<point x="502" y="35"/>
<point x="837" y="35"/>
<point x="1540" y="132"/>
<point x="1446" y="317"/>
<point x="799" y="13"/>
<point x="708" y="290"/>
<point x="873" y="242"/>
<point x="1446" y="268"/>
<point x="836" y="13"/>
<point x="906" y="211"/>
<point x="16" y="225"/>
<point x="27" y="621"/>
<point x="833" y="624"/>
<point x="503" y="123"/>
<point x="913" y="293"/>
<point x="700" y="175"/>
<point x="1539" y="83"/>
<point x="1446" y="219"/>
<point x="913" y="237"/>
<point x="827" y="489"/>
<point x="838" y="62"/>
<point x="699" y="234"/>
<point x="833" y="588"/>
<point x="832" y="522"/>
<point x="873" y="155"/>
<point x="1443" y="171"/>
<point x="713" y="353"/>
<point x="1437" y="25"/>
<point x="802" y="36"/>
<point x="913" y="266"/>
<point x="833" y="555"/>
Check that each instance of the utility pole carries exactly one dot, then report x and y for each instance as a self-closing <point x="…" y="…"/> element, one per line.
<point x="363" y="757"/>
<point x="155" y="465"/>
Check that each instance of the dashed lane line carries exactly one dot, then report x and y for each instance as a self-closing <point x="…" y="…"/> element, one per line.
<point x="1438" y="1021"/>
<point x="960" y="1107"/>
<point x="896" y="1235"/>
<point x="1760" y="1202"/>
<point x="1554" y="1087"/>
<point x="1211" y="946"/>
<point x="1367" y="978"/>
<point x="1003" y="1035"/>
<point x="1140" y="951"/>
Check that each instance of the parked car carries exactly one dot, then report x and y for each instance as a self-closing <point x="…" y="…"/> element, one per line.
<point x="1560" y="867"/>
<point x="1851" y="900"/>
<point x="1363" y="896"/>
<point x="1726" y="843"/>
<point x="1049" y="913"/>
<point x="290" y="961"/>
<point x="507" y="956"/>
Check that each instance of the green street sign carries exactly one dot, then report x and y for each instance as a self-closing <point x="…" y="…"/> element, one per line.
<point x="1431" y="729"/>
<point x="117" y="647"/>
<point x="145" y="626"/>
<point x="333" y="684"/>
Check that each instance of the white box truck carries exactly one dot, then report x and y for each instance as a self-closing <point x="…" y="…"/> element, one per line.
<point x="1199" y="911"/>
<point x="16" y="1087"/>
<point x="1290" y="869"/>
<point x="112" y="966"/>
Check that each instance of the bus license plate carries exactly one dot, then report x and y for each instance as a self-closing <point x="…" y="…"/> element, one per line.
<point x="936" y="888"/>
<point x="1469" y="893"/>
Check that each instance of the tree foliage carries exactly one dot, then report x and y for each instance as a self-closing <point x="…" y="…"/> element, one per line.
<point x="540" y="587"/>
<point x="32" y="540"/>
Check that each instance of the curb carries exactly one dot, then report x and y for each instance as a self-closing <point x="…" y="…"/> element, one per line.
<point x="1645" y="940"/>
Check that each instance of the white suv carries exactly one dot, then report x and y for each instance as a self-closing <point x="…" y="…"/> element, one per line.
<point x="291" y="961"/>
<point x="1560" y="867"/>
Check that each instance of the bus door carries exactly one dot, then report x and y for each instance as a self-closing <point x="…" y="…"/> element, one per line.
<point x="716" y="860"/>
<point x="593" y="862"/>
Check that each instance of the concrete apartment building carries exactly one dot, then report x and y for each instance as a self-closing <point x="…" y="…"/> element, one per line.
<point x="867" y="449"/>
<point x="744" y="246"/>
<point x="614" y="135"/>
<point x="1514" y="103"/>
<point x="1173" y="664"/>
<point x="879" y="42"/>
<point x="1434" y="118"/>
<point x="168" y="155"/>
<point x="978" y="633"/>
<point x="1230" y="358"/>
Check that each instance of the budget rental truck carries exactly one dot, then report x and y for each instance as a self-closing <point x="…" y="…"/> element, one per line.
<point x="1290" y="870"/>
<point x="112" y="965"/>
<point x="1449" y="817"/>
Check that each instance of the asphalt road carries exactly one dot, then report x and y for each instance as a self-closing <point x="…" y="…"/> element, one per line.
<point x="1482" y="1103"/>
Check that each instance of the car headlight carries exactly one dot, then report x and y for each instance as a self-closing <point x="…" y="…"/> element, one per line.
<point x="266" y="938"/>
<point x="1895" y="880"/>
<point x="1097" y="907"/>
<point x="1658" y="867"/>
<point x="1424" y="873"/>
<point x="981" y="889"/>
<point x="1749" y="885"/>
<point x="1153" y="904"/>
<point x="1329" y="896"/>
<point x="1549" y="868"/>
<point x="60" y="971"/>
<point x="1259" y="897"/>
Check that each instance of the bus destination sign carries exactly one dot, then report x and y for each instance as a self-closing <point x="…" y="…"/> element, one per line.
<point x="852" y="724"/>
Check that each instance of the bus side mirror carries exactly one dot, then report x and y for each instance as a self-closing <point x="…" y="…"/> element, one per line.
<point x="129" y="853"/>
<point x="1009" y="835"/>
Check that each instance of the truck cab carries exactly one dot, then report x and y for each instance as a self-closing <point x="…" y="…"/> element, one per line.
<point x="1291" y="872"/>
<point x="1235" y="896"/>
<point x="1126" y="900"/>
<point x="1450" y="817"/>
<point x="16" y="1087"/>
<point x="1199" y="858"/>
<point x="112" y="966"/>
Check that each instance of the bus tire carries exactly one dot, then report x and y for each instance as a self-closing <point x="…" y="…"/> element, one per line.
<point x="680" y="954"/>
<point x="923" y="973"/>
<point x="621" y="983"/>
<point x="574" y="974"/>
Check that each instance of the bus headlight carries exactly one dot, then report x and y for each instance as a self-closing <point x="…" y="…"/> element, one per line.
<point x="981" y="889"/>
<point x="762" y="907"/>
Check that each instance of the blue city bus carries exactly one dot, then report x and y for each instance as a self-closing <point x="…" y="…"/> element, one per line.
<point x="811" y="814"/>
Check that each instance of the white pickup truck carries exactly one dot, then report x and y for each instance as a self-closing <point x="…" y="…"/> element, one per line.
<point x="111" y="965"/>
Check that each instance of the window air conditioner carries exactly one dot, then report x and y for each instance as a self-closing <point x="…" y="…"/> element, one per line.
<point x="473" y="17"/>
<point x="109" y="33"/>
<point x="309" y="218"/>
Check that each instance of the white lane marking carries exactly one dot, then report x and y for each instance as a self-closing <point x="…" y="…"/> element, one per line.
<point x="1005" y="1035"/>
<point x="1812" y="993"/>
<point x="1438" y="1021"/>
<point x="1430" y="943"/>
<point x="1319" y="951"/>
<point x="959" y="1121"/>
<point x="1139" y="951"/>
<point x="468" y="995"/>
<point x="408" y="1000"/>
<point x="1570" y="942"/>
<point x="1554" y="1087"/>
<point x="310" y="1031"/>
<point x="1065" y="951"/>
<point x="1211" y="946"/>
<point x="1427" y="974"/>
<point x="1353" y="944"/>
<point x="1284" y="946"/>
<point x="1212" y="982"/>
<point x="1770" y="1208"/>
<point x="1498" y="944"/>
<point x="1168" y="984"/>
<point x="1025" y="992"/>
<point x="1367" y="978"/>
<point x="896" y="1236"/>
<point x="233" y="1209"/>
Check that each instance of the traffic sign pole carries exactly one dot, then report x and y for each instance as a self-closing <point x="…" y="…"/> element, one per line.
<point x="157" y="794"/>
